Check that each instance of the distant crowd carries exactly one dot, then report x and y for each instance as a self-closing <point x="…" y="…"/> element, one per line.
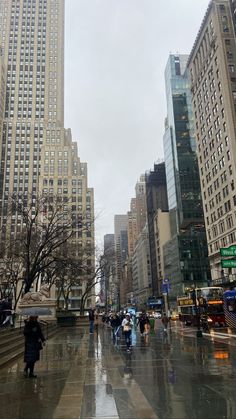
<point x="122" y="322"/>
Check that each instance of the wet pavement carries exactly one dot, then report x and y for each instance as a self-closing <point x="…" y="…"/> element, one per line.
<point x="83" y="376"/>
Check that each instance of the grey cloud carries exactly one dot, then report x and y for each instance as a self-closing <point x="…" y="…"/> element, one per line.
<point x="116" y="52"/>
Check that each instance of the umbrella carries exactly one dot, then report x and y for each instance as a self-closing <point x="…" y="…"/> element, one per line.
<point x="35" y="311"/>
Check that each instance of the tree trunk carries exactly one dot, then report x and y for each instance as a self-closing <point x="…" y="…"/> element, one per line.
<point x="82" y="306"/>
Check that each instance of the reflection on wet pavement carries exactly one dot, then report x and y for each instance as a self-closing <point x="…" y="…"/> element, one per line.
<point x="86" y="376"/>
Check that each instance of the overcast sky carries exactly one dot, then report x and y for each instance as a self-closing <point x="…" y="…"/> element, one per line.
<point x="115" y="56"/>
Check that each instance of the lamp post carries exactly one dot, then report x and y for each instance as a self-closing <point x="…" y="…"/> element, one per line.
<point x="197" y="311"/>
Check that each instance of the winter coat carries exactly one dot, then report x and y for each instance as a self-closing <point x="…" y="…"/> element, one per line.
<point x="115" y="322"/>
<point x="33" y="341"/>
<point x="91" y="315"/>
<point x="143" y="320"/>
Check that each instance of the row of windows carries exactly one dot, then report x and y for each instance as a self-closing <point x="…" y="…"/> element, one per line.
<point x="61" y="182"/>
<point x="223" y="209"/>
<point x="221" y="227"/>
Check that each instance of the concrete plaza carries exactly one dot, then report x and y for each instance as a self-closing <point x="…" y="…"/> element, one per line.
<point x="84" y="376"/>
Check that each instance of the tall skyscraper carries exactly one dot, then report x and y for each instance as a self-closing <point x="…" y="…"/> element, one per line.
<point x="156" y="197"/>
<point x="121" y="250"/>
<point x="107" y="288"/>
<point x="32" y="44"/>
<point x="141" y="270"/>
<point x="185" y="255"/>
<point x="37" y="153"/>
<point x="212" y="66"/>
<point x="132" y="226"/>
<point x="141" y="206"/>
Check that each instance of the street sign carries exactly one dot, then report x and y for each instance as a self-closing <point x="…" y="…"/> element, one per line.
<point x="228" y="263"/>
<point x="165" y="288"/>
<point x="228" y="251"/>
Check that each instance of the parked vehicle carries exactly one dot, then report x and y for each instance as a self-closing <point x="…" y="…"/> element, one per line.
<point x="157" y="315"/>
<point x="208" y="302"/>
<point x="230" y="308"/>
<point x="174" y="315"/>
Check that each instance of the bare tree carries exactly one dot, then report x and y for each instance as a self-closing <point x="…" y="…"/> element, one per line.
<point x="11" y="278"/>
<point x="45" y="227"/>
<point x="44" y="247"/>
<point x="94" y="278"/>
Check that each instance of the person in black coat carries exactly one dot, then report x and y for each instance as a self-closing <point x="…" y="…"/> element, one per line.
<point x="115" y="324"/>
<point x="143" y="319"/>
<point x="91" y="314"/>
<point x="34" y="340"/>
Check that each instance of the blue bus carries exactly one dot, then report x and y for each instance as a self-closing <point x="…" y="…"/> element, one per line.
<point x="230" y="308"/>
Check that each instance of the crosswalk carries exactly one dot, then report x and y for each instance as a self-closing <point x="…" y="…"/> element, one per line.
<point x="225" y="335"/>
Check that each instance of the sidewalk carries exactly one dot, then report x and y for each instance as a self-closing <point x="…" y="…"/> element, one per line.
<point x="86" y="376"/>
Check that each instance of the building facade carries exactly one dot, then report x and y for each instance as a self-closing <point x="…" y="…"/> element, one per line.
<point x="156" y="198"/>
<point x="141" y="270"/>
<point x="38" y="156"/>
<point x="212" y="67"/>
<point x="121" y="251"/>
<point x="32" y="44"/>
<point x="107" y="293"/>
<point x="185" y="255"/>
<point x="162" y="236"/>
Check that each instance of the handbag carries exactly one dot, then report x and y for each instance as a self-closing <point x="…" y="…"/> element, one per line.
<point x="126" y="328"/>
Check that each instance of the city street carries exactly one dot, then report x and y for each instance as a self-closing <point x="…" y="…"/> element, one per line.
<point x="173" y="376"/>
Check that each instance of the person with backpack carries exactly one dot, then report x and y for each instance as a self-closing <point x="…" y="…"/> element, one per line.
<point x="127" y="324"/>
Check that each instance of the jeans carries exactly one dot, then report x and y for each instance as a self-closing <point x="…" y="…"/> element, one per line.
<point x="128" y="338"/>
<point x="8" y="320"/>
<point x="91" y="326"/>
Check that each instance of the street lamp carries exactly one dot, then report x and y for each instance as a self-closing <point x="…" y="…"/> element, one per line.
<point x="197" y="311"/>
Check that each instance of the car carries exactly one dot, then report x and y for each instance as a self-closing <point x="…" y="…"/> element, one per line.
<point x="157" y="315"/>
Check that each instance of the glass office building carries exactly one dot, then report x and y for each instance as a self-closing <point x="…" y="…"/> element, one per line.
<point x="185" y="255"/>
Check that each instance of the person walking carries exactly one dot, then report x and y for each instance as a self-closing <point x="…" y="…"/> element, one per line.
<point x="7" y="312"/>
<point x="34" y="341"/>
<point x="165" y="321"/>
<point x="1" y="311"/>
<point x="127" y="329"/>
<point x="143" y="322"/>
<point x="115" y="324"/>
<point x="91" y="320"/>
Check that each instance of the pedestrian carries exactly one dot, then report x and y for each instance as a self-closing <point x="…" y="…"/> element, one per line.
<point x="147" y="326"/>
<point x="91" y="320"/>
<point x="34" y="341"/>
<point x="143" y="322"/>
<point x="115" y="324"/>
<point x="127" y="329"/>
<point x="96" y="320"/>
<point x="165" y="321"/>
<point x="1" y="311"/>
<point x="7" y="312"/>
<point x="156" y="324"/>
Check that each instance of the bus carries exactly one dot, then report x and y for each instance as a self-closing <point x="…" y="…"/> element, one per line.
<point x="230" y="308"/>
<point x="206" y="302"/>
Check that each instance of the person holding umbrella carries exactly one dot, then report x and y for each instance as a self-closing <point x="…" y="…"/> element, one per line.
<point x="34" y="341"/>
